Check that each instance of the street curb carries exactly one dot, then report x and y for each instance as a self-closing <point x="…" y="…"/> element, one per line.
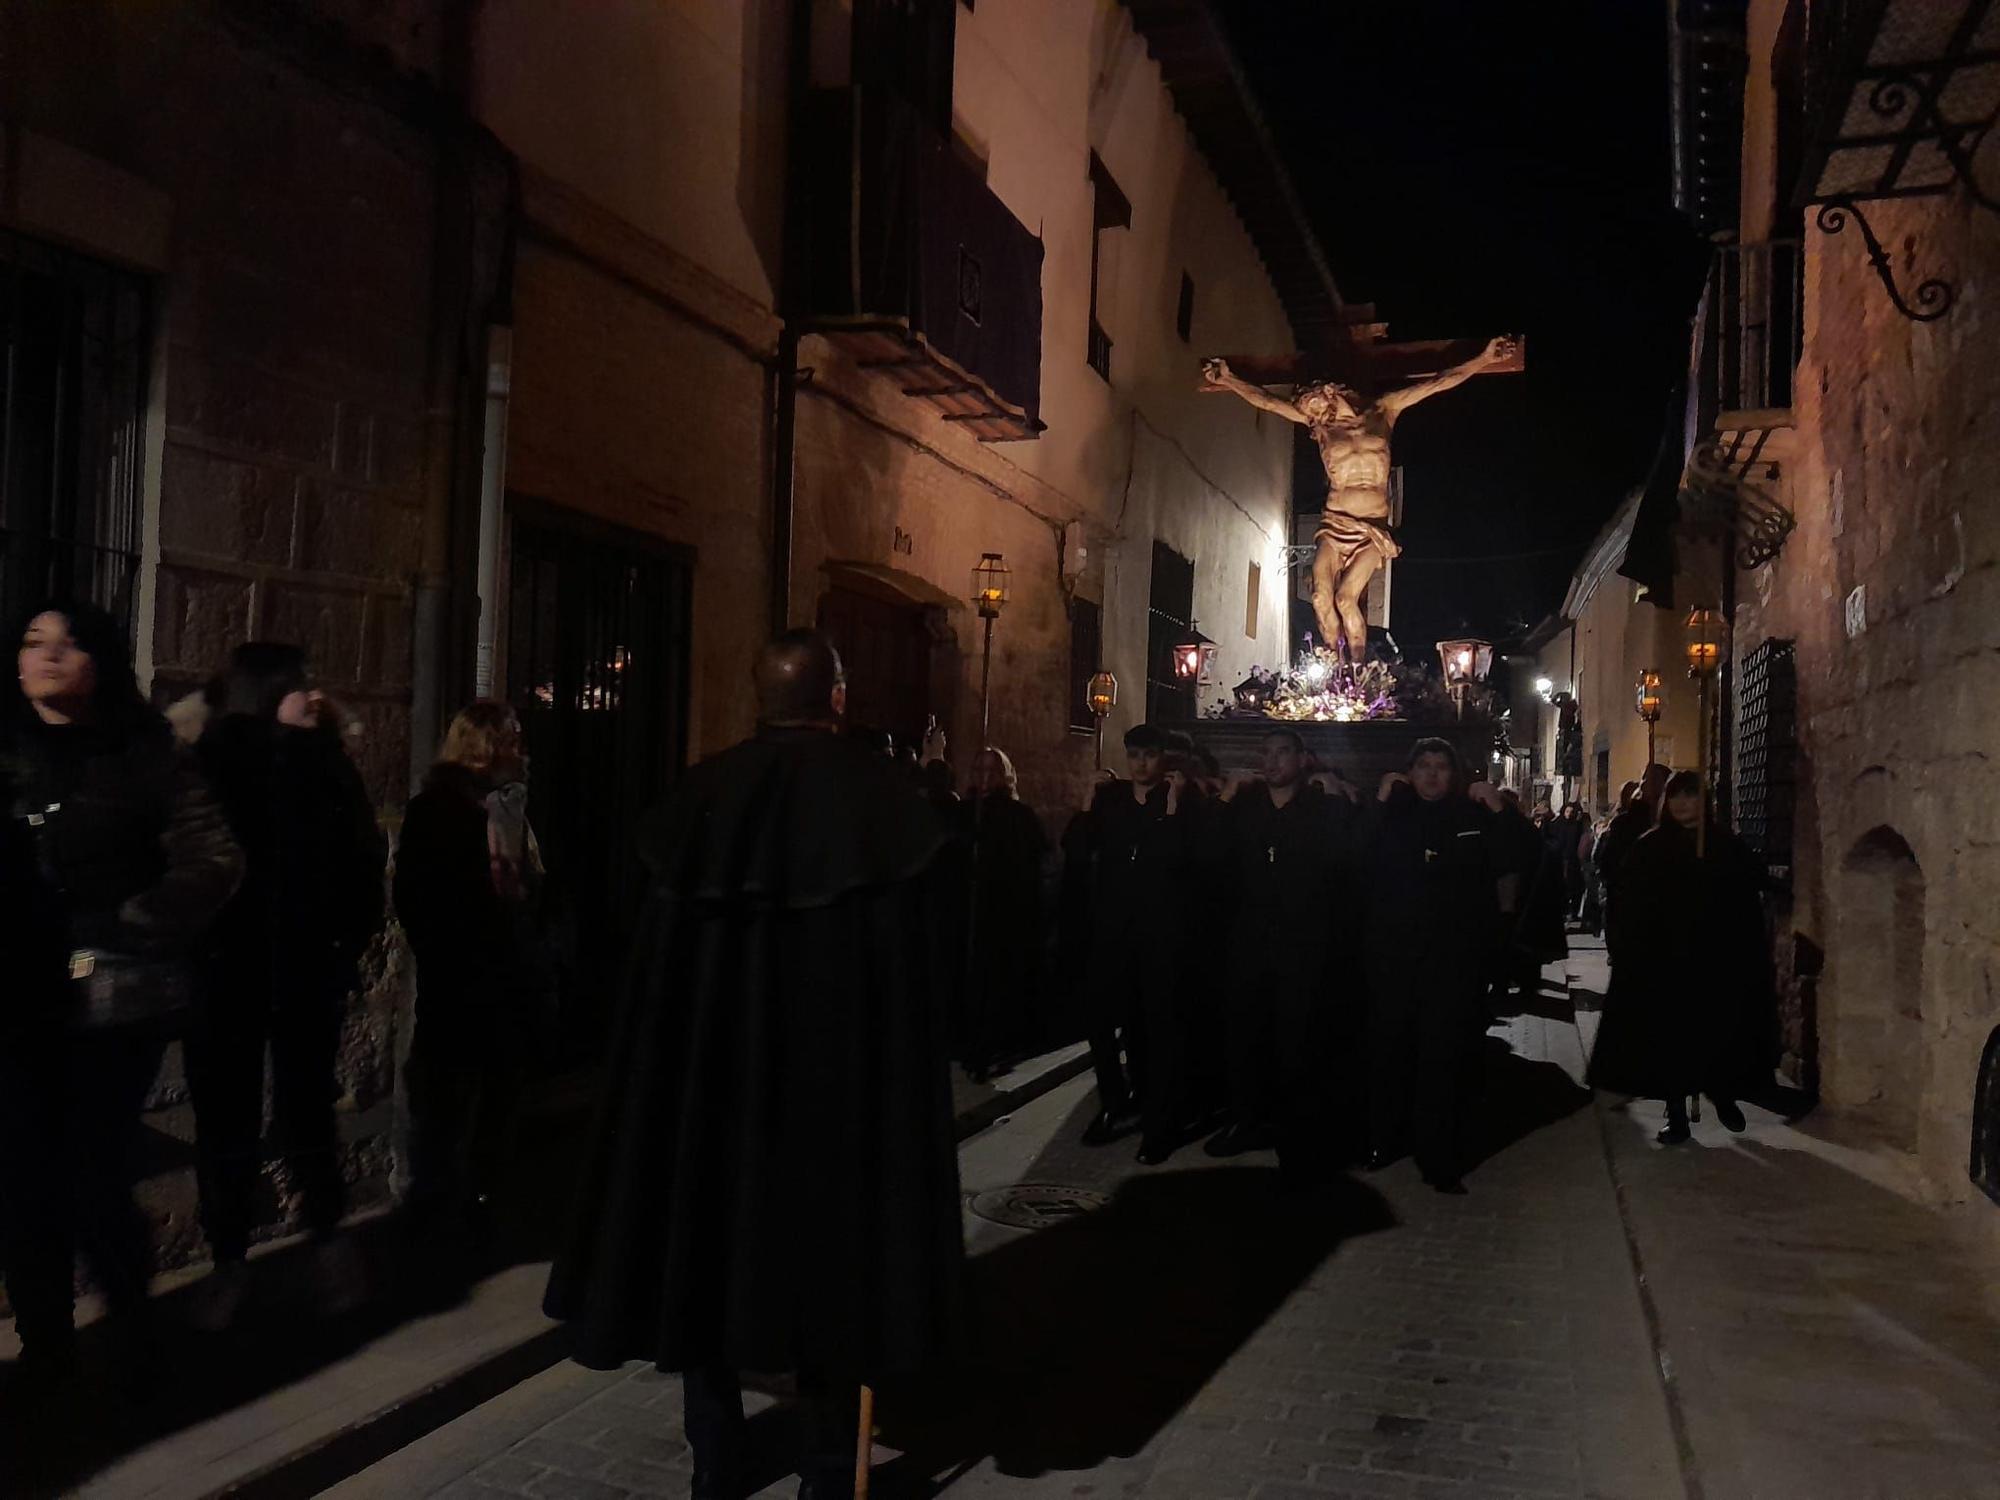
<point x="321" y="1465"/>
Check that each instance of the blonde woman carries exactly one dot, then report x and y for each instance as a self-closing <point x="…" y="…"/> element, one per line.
<point x="467" y="875"/>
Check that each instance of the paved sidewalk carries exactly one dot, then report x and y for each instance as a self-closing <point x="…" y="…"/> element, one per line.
<point x="1739" y="1319"/>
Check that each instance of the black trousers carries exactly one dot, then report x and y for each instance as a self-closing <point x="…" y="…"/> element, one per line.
<point x="301" y="1028"/>
<point x="1423" y="1043"/>
<point x="717" y="1431"/>
<point x="66" y="1174"/>
<point x="1138" y="1046"/>
<point x="464" y="1083"/>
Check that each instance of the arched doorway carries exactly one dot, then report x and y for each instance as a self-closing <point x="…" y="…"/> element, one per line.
<point x="1986" y="1120"/>
<point x="896" y="645"/>
<point x="1875" y="1039"/>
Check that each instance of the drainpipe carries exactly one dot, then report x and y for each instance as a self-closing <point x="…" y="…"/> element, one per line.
<point x="785" y="417"/>
<point x="492" y="502"/>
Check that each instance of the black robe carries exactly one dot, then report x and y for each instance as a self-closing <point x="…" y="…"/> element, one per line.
<point x="1690" y="1008"/>
<point x="1001" y="993"/>
<point x="774" y="1184"/>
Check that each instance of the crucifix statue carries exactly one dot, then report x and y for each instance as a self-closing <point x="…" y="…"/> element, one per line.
<point x="1351" y="428"/>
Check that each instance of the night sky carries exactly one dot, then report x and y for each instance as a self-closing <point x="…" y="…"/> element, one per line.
<point x="1477" y="168"/>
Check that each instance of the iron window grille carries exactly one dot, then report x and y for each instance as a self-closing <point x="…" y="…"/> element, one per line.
<point x="73" y="338"/>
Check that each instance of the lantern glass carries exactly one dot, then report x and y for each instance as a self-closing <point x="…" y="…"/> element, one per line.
<point x="1103" y="694"/>
<point x="1467" y="660"/>
<point x="1192" y="655"/>
<point x="989" y="583"/>
<point x="1707" y="634"/>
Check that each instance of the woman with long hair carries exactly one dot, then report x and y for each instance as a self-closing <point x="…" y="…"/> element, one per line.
<point x="468" y="875"/>
<point x="1690" y="1004"/>
<point x="140" y="859"/>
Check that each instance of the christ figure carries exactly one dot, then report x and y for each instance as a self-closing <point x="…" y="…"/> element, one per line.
<point x="1352" y="433"/>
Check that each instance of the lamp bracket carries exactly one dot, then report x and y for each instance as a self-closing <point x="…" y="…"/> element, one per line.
<point x="1934" y="296"/>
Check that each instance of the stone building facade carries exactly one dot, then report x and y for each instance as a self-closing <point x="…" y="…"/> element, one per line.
<point x="1887" y="597"/>
<point x="449" y="340"/>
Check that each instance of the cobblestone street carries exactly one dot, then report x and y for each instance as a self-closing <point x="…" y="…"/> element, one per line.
<point x="1796" y="1331"/>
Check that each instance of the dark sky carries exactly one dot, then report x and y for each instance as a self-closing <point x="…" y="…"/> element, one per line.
<point x="1484" y="166"/>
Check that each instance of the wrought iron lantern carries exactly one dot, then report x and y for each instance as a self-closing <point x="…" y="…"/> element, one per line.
<point x="1707" y="636"/>
<point x="1465" y="661"/>
<point x="1193" y="653"/>
<point x="1646" y="698"/>
<point x="989" y="585"/>
<point x="1103" y="694"/>
<point x="1253" y="693"/>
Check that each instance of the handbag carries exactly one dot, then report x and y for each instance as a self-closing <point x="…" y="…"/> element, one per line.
<point x="123" y="992"/>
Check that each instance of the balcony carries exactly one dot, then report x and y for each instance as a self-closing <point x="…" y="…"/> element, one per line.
<point x="917" y="269"/>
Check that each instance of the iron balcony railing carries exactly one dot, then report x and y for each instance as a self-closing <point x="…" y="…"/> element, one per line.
<point x="1756" y="326"/>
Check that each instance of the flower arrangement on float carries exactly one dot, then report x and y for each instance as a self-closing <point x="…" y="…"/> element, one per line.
<point x="1318" y="687"/>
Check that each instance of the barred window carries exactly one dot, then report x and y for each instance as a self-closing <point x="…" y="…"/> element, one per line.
<point x="72" y="404"/>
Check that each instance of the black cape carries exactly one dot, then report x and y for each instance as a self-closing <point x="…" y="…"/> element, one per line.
<point x="774" y="1184"/>
<point x="1690" y="1008"/>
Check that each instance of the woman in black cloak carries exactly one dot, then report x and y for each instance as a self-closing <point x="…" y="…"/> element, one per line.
<point x="1690" y="1007"/>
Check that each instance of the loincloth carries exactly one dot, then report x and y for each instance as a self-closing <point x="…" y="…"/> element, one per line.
<point x="1350" y="536"/>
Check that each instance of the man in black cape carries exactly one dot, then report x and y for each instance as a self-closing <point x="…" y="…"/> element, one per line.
<point x="1435" y="888"/>
<point x="774" y="1185"/>
<point x="1633" y="822"/>
<point x="1286" y="843"/>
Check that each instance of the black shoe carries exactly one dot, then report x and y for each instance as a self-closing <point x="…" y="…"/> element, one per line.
<point x="1152" y="1153"/>
<point x="1730" y="1113"/>
<point x="1234" y="1140"/>
<point x="1377" y="1160"/>
<point x="1109" y="1125"/>
<point x="717" y="1482"/>
<point x="1453" y="1186"/>
<point x="1674" y="1135"/>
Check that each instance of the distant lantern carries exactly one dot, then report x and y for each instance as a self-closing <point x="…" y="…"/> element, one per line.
<point x="989" y="585"/>
<point x="1465" y="661"/>
<point x="1192" y="654"/>
<point x="1545" y="688"/>
<point x="1707" y="636"/>
<point x="1646" y="697"/>
<point x="1253" y="692"/>
<point x="1103" y="694"/>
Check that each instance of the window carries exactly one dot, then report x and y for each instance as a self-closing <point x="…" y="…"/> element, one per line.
<point x="1255" y="594"/>
<point x="72" y="403"/>
<point x="1086" y="649"/>
<point x="1184" y="314"/>
<point x="1111" y="210"/>
<point x="1169" y="616"/>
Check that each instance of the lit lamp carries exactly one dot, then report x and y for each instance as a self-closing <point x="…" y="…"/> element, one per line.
<point x="1253" y="692"/>
<point x="989" y="595"/>
<point x="1647" y="702"/>
<point x="1465" y="663"/>
<point x="1102" y="697"/>
<point x="1707" y="638"/>
<point x="1192" y="654"/>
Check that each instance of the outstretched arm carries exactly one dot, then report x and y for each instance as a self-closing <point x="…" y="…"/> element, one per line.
<point x="1497" y="352"/>
<point x="1216" y="374"/>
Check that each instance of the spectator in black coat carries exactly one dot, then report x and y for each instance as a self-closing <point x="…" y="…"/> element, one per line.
<point x="283" y="957"/>
<point x="1003" y="970"/>
<point x="467" y="883"/>
<point x="126" y="831"/>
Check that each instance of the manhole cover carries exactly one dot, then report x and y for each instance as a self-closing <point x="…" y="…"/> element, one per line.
<point x="1035" y="1205"/>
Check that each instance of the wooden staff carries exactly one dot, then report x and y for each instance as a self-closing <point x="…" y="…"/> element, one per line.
<point x="864" y="1444"/>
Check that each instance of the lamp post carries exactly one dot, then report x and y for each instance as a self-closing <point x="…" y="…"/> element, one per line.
<point x="1465" y="662"/>
<point x="1103" y="697"/>
<point x="989" y="594"/>
<point x="1647" y="702"/>
<point x="1707" y="636"/>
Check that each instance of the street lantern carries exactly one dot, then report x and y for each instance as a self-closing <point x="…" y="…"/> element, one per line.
<point x="1646" y="702"/>
<point x="1545" y="689"/>
<point x="989" y="595"/>
<point x="1102" y="697"/>
<point x="1466" y="662"/>
<point x="989" y="585"/>
<point x="1707" y="637"/>
<point x="1253" y="692"/>
<point x="1192" y="654"/>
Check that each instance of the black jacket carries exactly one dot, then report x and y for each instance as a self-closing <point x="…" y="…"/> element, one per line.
<point x="129" y="837"/>
<point x="1145" y="873"/>
<point x="1287" y="868"/>
<point x="1430" y="875"/>
<point x="315" y="858"/>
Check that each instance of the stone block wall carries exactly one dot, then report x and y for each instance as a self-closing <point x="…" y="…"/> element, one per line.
<point x="1891" y="588"/>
